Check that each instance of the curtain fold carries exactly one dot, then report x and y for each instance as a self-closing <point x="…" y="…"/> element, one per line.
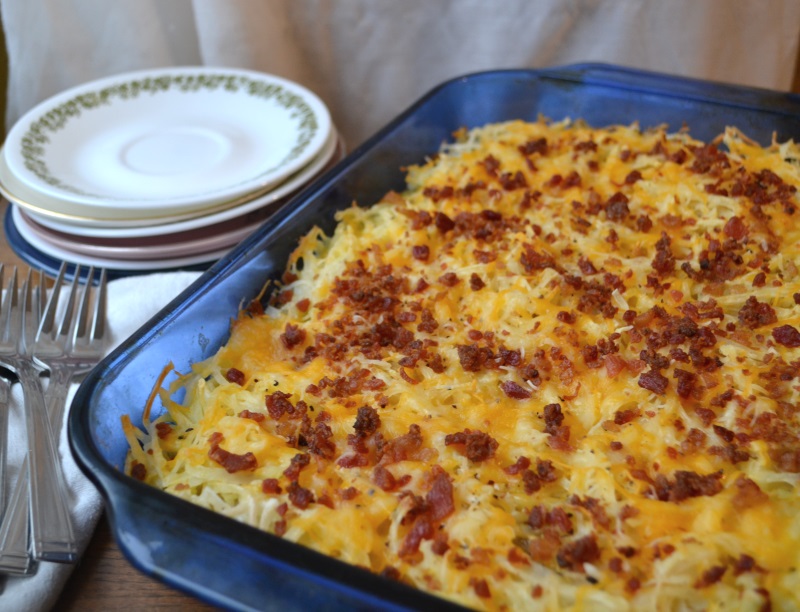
<point x="369" y="59"/>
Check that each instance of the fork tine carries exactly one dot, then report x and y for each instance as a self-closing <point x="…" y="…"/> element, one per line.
<point x="27" y="308"/>
<point x="41" y="291"/>
<point x="82" y="316"/>
<point x="4" y="303"/>
<point x="8" y="310"/>
<point x="47" y="326"/>
<point x="98" y="331"/>
<point x="67" y="318"/>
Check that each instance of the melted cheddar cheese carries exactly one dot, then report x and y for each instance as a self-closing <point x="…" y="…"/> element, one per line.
<point x="560" y="371"/>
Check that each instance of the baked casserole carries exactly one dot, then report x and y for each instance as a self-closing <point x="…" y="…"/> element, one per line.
<point x="558" y="371"/>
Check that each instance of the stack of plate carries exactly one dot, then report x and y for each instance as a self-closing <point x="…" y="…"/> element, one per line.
<point x="159" y="169"/>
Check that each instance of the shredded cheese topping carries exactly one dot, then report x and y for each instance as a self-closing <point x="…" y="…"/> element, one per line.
<point x="558" y="372"/>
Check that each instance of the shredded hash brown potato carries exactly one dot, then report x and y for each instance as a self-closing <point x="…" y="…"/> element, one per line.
<point x="559" y="372"/>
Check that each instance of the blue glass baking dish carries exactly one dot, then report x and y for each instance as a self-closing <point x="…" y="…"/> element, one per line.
<point x="230" y="564"/>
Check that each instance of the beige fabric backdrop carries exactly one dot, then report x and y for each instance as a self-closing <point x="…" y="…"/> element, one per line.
<point x="369" y="59"/>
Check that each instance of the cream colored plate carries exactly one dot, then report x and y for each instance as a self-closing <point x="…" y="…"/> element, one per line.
<point x="79" y="226"/>
<point x="152" y="143"/>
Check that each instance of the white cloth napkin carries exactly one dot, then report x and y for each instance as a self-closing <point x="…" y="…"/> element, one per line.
<point x="131" y="302"/>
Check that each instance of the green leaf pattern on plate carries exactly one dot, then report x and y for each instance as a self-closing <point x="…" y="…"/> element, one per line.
<point x="34" y="140"/>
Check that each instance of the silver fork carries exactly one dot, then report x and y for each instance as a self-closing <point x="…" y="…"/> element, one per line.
<point x="15" y="556"/>
<point x="52" y="535"/>
<point x="5" y="391"/>
<point x="75" y="343"/>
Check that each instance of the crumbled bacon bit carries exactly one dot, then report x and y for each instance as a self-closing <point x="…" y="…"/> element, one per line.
<point x="514" y="390"/>
<point x="490" y="164"/>
<point x="392" y="573"/>
<point x="437" y="193"/>
<point x="687" y="382"/>
<point x="401" y="448"/>
<point x="566" y="317"/>
<point x="695" y="441"/>
<point x="384" y="478"/>
<point x="440" y="546"/>
<point x="595" y="509"/>
<point x="510" y="182"/>
<point x="532" y="260"/>
<point x="349" y="493"/>
<point x="449" y="279"/>
<point x="278" y="404"/>
<point x="427" y="323"/>
<point x="271" y="486"/>
<point x="786" y="335"/>
<point x="440" y="494"/>
<point x="481" y="587"/>
<point x="687" y="484"/>
<point x="664" y="261"/>
<point x="632" y="177"/>
<point x="735" y="228"/>
<point x="710" y="576"/>
<point x="443" y="223"/>
<point x="477" y="445"/>
<point x="748" y="494"/>
<point x="475" y="282"/>
<point x="230" y="461"/>
<point x="163" y="430"/>
<point x="531" y="482"/>
<point x="235" y="376"/>
<point x="754" y="314"/>
<point x="138" y="471"/>
<point x="283" y="297"/>
<point x="538" y="145"/>
<point x="420" y="252"/>
<point x="586" y="266"/>
<point x="299" y="496"/>
<point x="319" y="439"/>
<point x="654" y="381"/>
<point x="522" y="463"/>
<point x="745" y="563"/>
<point x="292" y="336"/>
<point x="367" y="421"/>
<point x="553" y="417"/>
<point x="644" y="224"/>
<point x="544" y="548"/>
<point x="627" y="551"/>
<point x="617" y="207"/>
<point x="516" y="557"/>
<point x="296" y="465"/>
<point x="437" y="505"/>
<point x="575" y="554"/>
<point x="472" y="357"/>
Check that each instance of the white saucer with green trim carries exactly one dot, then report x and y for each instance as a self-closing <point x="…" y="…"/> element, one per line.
<point x="167" y="141"/>
<point x="36" y="207"/>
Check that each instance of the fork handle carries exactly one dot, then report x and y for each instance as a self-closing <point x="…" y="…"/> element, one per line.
<point x="52" y="534"/>
<point x="15" y="557"/>
<point x="55" y="397"/>
<point x="3" y="450"/>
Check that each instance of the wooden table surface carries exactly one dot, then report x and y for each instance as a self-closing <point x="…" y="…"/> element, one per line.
<point x="103" y="579"/>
